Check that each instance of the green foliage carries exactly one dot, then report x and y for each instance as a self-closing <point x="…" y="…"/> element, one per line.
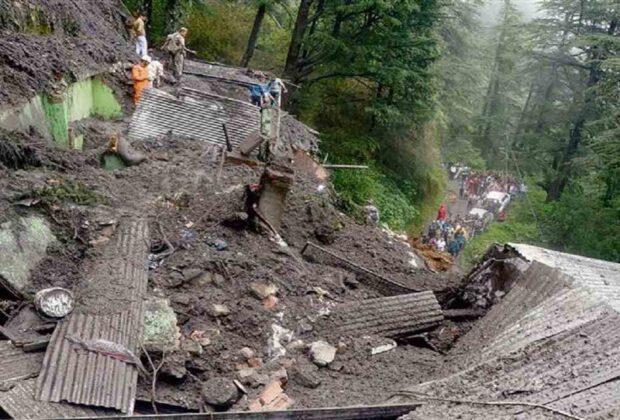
<point x="68" y="192"/>
<point x="356" y="187"/>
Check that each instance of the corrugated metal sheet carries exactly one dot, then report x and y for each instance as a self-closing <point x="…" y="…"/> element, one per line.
<point x="603" y="277"/>
<point x="16" y="364"/>
<point x="392" y="316"/>
<point x="110" y="307"/>
<point x="159" y="113"/>
<point x="242" y="118"/>
<point x="538" y="284"/>
<point x="576" y="371"/>
<point x="218" y="72"/>
<point x="19" y="403"/>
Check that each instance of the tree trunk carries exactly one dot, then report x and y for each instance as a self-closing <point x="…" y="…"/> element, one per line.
<point x="148" y="12"/>
<point x="258" y="22"/>
<point x="294" y="50"/>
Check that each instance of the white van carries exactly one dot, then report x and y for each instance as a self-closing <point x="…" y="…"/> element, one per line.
<point x="497" y="201"/>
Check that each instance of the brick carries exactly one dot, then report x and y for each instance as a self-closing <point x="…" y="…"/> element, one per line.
<point x="270" y="392"/>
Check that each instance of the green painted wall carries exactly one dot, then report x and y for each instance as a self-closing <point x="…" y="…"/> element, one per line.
<point x="88" y="98"/>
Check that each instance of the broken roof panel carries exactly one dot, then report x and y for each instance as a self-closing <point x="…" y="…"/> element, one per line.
<point x="576" y="371"/>
<point x="394" y="316"/>
<point x="160" y="113"/>
<point x="16" y="364"/>
<point x="111" y="307"/>
<point x="19" y="403"/>
<point x="603" y="277"/>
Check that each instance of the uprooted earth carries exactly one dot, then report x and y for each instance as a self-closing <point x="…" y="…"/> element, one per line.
<point x="151" y="262"/>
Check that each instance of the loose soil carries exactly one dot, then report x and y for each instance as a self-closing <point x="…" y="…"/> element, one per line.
<point x="216" y="261"/>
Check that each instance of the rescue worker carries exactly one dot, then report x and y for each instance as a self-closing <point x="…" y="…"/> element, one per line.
<point x="175" y="46"/>
<point x="140" y="76"/>
<point x="139" y="32"/>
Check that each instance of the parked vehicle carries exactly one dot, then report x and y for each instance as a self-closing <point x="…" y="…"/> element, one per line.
<point x="496" y="201"/>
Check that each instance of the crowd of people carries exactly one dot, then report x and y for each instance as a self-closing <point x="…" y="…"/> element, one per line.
<point x="446" y="235"/>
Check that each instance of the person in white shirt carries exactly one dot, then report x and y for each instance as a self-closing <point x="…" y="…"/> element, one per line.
<point x="156" y="72"/>
<point x="276" y="87"/>
<point x="441" y="244"/>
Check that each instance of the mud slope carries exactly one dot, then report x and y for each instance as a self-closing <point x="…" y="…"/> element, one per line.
<point x="38" y="38"/>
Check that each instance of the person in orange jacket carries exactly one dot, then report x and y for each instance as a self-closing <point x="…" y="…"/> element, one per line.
<point x="140" y="76"/>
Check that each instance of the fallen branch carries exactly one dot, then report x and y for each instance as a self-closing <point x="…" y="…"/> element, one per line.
<point x="491" y="403"/>
<point x="154" y="378"/>
<point x="167" y="253"/>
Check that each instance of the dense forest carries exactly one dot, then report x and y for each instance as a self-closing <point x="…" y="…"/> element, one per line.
<point x="404" y="85"/>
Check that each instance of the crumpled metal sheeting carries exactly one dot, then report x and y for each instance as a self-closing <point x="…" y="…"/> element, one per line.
<point x="111" y="307"/>
<point x="576" y="371"/>
<point x="602" y="277"/>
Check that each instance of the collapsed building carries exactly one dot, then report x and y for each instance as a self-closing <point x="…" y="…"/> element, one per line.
<point x="151" y="263"/>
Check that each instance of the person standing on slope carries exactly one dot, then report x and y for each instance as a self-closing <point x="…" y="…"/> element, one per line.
<point x="138" y="31"/>
<point x="140" y="76"/>
<point x="175" y="46"/>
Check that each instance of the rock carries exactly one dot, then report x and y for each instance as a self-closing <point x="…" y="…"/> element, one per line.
<point x="341" y="347"/>
<point x="325" y="234"/>
<point x="336" y="366"/>
<point x="247" y="353"/>
<point x="201" y="337"/>
<point x="220" y="392"/>
<point x="181" y="299"/>
<point x="204" y="279"/>
<point x="322" y="353"/>
<point x="255" y="362"/>
<point x="174" y="367"/>
<point x="191" y="346"/>
<point x="160" y="325"/>
<point x="270" y="302"/>
<point x="304" y="375"/>
<point x="245" y="374"/>
<point x="279" y="375"/>
<point x="23" y="244"/>
<point x="190" y="274"/>
<point x="219" y="310"/>
<point x="351" y="282"/>
<point x="219" y="280"/>
<point x="296" y="345"/>
<point x="262" y="290"/>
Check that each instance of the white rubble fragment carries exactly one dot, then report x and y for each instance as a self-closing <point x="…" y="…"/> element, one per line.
<point x="322" y="353"/>
<point x="384" y="348"/>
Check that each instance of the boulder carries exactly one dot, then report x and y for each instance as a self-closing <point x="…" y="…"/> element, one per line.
<point x="23" y="244"/>
<point x="322" y="353"/>
<point x="220" y="392"/>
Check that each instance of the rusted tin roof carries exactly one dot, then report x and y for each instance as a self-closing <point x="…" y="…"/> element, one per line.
<point x="111" y="308"/>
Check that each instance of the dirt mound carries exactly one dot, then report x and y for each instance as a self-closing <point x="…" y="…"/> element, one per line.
<point x="44" y="38"/>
